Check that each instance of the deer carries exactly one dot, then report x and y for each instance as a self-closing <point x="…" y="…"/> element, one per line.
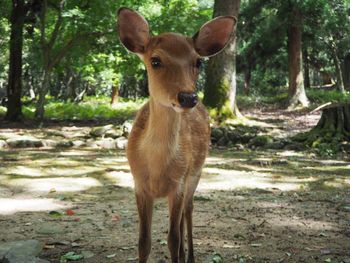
<point x="170" y="137"/>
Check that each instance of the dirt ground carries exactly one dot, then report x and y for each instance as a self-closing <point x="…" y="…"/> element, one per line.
<point x="251" y="206"/>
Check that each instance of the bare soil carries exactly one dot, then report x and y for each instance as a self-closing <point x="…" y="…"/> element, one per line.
<point x="251" y="206"/>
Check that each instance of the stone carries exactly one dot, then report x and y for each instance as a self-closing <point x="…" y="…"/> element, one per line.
<point x="64" y="144"/>
<point x="114" y="133"/>
<point x="222" y="142"/>
<point x="277" y="145"/>
<point x="127" y="126"/>
<point x="107" y="143"/>
<point x="50" y="143"/>
<point x="3" y="144"/>
<point x="260" y="141"/>
<point x="216" y="134"/>
<point x="24" y="142"/>
<point x="121" y="143"/>
<point x="100" y="131"/>
<point x="24" y="251"/>
<point x="78" y="143"/>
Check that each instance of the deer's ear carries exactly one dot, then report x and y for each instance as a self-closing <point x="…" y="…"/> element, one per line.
<point x="213" y="36"/>
<point x="133" y="30"/>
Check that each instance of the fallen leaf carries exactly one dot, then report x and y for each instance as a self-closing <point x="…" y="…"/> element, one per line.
<point x="111" y="256"/>
<point x="325" y="251"/>
<point x="230" y="246"/>
<point x="126" y="248"/>
<point x="72" y="256"/>
<point x="74" y="244"/>
<point x="255" y="245"/>
<point x="52" y="190"/>
<point x="115" y="218"/>
<point x="55" y="214"/>
<point x="70" y="212"/>
<point x="216" y="258"/>
<point x="46" y="246"/>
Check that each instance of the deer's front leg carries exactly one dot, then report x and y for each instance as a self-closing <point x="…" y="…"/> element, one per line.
<point x="145" y="209"/>
<point x="174" y="237"/>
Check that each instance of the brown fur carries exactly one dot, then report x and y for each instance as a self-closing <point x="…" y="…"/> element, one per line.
<point x="166" y="149"/>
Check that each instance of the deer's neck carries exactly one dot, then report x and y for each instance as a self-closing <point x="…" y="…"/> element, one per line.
<point x="164" y="125"/>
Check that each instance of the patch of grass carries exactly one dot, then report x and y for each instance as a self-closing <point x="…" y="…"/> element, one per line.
<point x="91" y="108"/>
<point x="278" y="97"/>
<point x="324" y="96"/>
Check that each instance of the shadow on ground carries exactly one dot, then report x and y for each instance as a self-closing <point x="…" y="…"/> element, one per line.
<point x="271" y="206"/>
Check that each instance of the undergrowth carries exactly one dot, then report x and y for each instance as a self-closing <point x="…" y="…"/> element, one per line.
<point x="90" y="108"/>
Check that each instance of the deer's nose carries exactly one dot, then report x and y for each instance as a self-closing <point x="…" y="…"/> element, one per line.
<point x="187" y="99"/>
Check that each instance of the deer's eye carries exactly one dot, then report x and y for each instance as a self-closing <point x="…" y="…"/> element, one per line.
<point x="199" y="63"/>
<point x="156" y="62"/>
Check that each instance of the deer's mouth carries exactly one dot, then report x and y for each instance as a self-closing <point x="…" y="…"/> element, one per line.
<point x="177" y="108"/>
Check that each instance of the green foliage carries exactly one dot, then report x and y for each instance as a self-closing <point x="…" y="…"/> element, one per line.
<point x="320" y="96"/>
<point x="91" y="108"/>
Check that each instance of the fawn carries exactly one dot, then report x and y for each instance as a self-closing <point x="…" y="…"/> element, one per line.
<point x="170" y="137"/>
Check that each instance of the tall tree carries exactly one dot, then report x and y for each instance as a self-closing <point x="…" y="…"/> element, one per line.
<point x="296" y="90"/>
<point x="220" y="86"/>
<point x="14" y="88"/>
<point x="64" y="25"/>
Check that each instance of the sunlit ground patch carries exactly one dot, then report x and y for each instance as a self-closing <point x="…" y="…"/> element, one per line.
<point x="10" y="205"/>
<point x="59" y="184"/>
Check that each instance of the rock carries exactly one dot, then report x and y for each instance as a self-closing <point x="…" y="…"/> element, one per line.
<point x="100" y="131"/>
<point x="64" y="144"/>
<point x="222" y="142"/>
<point x="127" y="126"/>
<point x="24" y="142"/>
<point x="216" y="134"/>
<point x="78" y="143"/>
<point x="3" y="144"/>
<point x="114" y="133"/>
<point x="107" y="143"/>
<point x="50" y="143"/>
<point x="21" y="252"/>
<point x="121" y="143"/>
<point x="239" y="147"/>
<point x="277" y="145"/>
<point x="295" y="146"/>
<point x="235" y="136"/>
<point x="260" y="141"/>
<point x="91" y="143"/>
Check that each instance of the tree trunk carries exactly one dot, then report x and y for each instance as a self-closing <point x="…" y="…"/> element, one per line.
<point x="331" y="131"/>
<point x="346" y="72"/>
<point x="14" y="89"/>
<point x="338" y="71"/>
<point x="247" y="78"/>
<point x="307" y="83"/>
<point x="296" y="92"/>
<point x="40" y="110"/>
<point x="114" y="96"/>
<point x="220" y="85"/>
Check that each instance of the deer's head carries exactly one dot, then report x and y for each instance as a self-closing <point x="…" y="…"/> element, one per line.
<point x="172" y="60"/>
